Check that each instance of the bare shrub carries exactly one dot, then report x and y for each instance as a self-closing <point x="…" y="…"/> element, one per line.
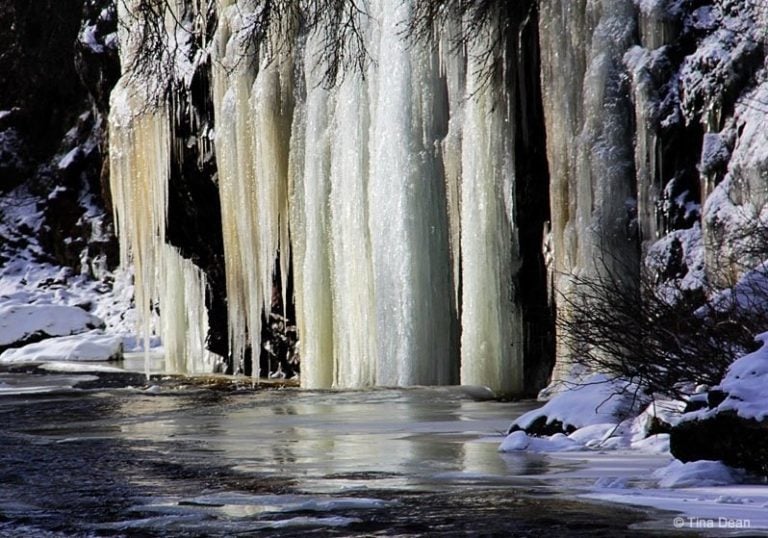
<point x="666" y="338"/>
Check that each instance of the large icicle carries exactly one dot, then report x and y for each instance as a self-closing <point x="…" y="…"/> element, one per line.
<point x="271" y="115"/>
<point x="454" y="69"/>
<point x="253" y="109"/>
<point x="184" y="316"/>
<point x="139" y="160"/>
<point x="492" y="324"/>
<point x="654" y="23"/>
<point x="311" y="227"/>
<point x="408" y="218"/>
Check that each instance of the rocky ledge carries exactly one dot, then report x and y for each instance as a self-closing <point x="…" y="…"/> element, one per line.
<point x="733" y="427"/>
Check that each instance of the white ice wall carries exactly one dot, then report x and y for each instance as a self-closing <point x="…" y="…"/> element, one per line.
<point x="392" y="193"/>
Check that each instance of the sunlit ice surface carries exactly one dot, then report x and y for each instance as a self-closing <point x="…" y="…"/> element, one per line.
<point x="114" y="454"/>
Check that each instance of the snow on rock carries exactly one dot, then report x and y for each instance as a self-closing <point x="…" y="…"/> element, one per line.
<point x="594" y="434"/>
<point x="715" y="153"/>
<point x="659" y="415"/>
<point x="734" y="428"/>
<point x="71" y="157"/>
<point x="655" y="444"/>
<point x="745" y="385"/>
<point x="677" y="259"/>
<point x="22" y="323"/>
<point x="596" y="400"/>
<point x="91" y="346"/>
<point x="721" y="62"/>
<point x="750" y="294"/>
<point x="736" y="212"/>
<point x="520" y="440"/>
<point x="702" y="473"/>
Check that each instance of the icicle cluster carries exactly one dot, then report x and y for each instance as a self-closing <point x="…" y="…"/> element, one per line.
<point x="589" y="144"/>
<point x="140" y="142"/>
<point x="392" y="195"/>
<point x="377" y="176"/>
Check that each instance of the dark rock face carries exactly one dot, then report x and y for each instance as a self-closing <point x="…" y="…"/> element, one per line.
<point x="194" y="209"/>
<point x="98" y="66"/>
<point x="75" y="228"/>
<point x="735" y="441"/>
<point x="14" y="161"/>
<point x="54" y="139"/>
<point x="532" y="173"/>
<point x="37" y="42"/>
<point x="542" y="426"/>
<point x="96" y="54"/>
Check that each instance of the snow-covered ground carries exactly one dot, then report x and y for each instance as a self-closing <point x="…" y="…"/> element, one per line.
<point x="48" y="312"/>
<point x="615" y="460"/>
<point x="89" y="346"/>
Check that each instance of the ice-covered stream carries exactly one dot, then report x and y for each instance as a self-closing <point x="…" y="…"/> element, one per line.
<point x="102" y="453"/>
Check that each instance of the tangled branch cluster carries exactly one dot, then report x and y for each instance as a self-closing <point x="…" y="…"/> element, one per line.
<point x="163" y="31"/>
<point x="666" y="339"/>
<point x="163" y="26"/>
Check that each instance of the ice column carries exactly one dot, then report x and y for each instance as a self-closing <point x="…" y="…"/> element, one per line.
<point x="589" y="142"/>
<point x="492" y="325"/>
<point x="656" y="26"/>
<point x="184" y="316"/>
<point x="139" y="153"/>
<point x="408" y="217"/>
<point x="311" y="226"/>
<point x="352" y="271"/>
<point x="453" y="67"/>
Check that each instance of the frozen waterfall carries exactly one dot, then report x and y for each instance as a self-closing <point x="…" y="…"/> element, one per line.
<point x="390" y="193"/>
<point x="589" y="144"/>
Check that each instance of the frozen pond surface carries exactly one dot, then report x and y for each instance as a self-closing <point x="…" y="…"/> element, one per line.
<point x="103" y="454"/>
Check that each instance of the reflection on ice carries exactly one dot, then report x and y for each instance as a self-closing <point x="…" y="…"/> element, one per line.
<point x="327" y="441"/>
<point x="402" y="437"/>
<point x="22" y="384"/>
<point x="206" y="460"/>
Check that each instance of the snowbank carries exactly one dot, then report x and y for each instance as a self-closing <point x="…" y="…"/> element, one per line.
<point x="91" y="346"/>
<point x="596" y="400"/>
<point x="745" y="385"/>
<point x="599" y="414"/>
<point x="19" y="323"/>
<point x="702" y="473"/>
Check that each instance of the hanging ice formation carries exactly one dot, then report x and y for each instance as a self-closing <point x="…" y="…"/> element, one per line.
<point x="492" y="339"/>
<point x="392" y="194"/>
<point x="140" y="141"/>
<point x="589" y="142"/>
